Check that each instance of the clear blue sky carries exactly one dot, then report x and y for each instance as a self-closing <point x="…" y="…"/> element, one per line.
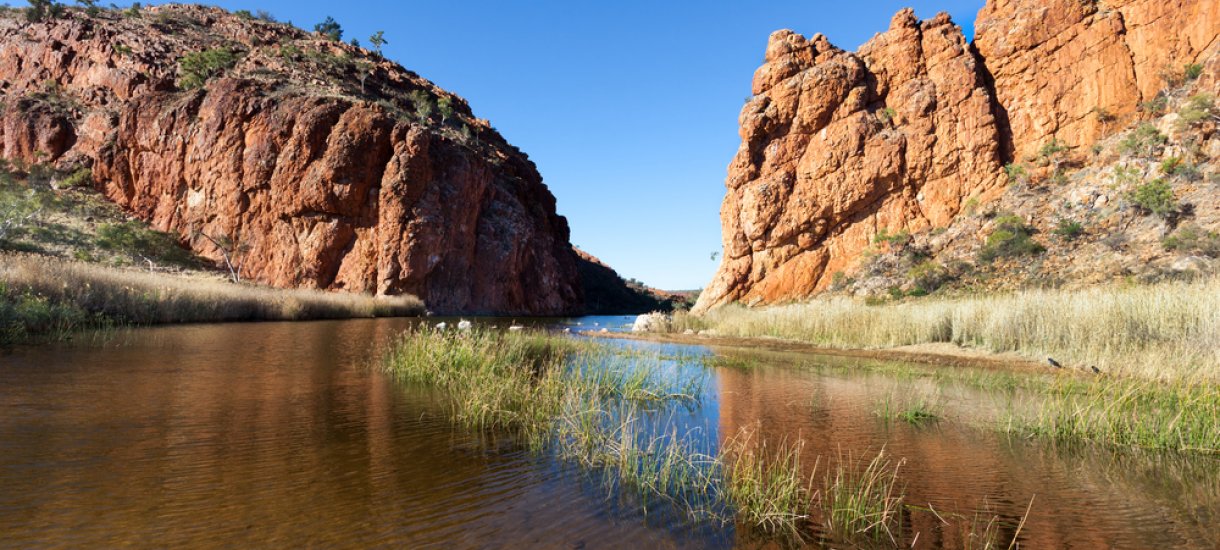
<point x="629" y="108"/>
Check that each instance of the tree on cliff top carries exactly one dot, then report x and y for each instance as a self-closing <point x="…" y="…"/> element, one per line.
<point x="330" y="29"/>
<point x="44" y="10"/>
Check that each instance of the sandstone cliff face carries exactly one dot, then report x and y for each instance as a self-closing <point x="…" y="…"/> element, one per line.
<point x="316" y="158"/>
<point x="838" y="147"/>
<point x="1061" y="65"/>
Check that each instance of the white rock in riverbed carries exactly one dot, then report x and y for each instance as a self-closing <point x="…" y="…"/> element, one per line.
<point x="648" y="322"/>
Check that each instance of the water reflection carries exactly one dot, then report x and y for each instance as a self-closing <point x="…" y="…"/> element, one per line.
<point x="279" y="435"/>
<point x="269" y="435"/>
<point x="1083" y="497"/>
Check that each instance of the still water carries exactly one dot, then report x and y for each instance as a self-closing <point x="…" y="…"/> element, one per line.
<point x="282" y="434"/>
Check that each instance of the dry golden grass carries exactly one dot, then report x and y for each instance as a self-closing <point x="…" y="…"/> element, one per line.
<point x="35" y="284"/>
<point x="1168" y="332"/>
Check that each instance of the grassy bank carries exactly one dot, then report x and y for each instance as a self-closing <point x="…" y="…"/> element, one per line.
<point x="48" y="297"/>
<point x="1164" y="332"/>
<point x="1180" y="415"/>
<point x="607" y="410"/>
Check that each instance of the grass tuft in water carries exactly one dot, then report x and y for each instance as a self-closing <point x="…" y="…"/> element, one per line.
<point x="864" y="500"/>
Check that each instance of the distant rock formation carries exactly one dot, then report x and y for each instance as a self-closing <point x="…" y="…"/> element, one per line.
<point x="321" y="164"/>
<point x="606" y="293"/>
<point x="839" y="148"/>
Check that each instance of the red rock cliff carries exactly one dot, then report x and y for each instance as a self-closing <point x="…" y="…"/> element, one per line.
<point x="330" y="167"/>
<point x="838" y="147"/>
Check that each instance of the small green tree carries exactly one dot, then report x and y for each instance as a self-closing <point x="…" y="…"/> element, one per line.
<point x="378" y="40"/>
<point x="1054" y="153"/>
<point x="445" y="106"/>
<point x="1192" y="71"/>
<point x="1069" y="229"/>
<point x="43" y="10"/>
<point x="330" y="29"/>
<point x="1156" y="105"/>
<point x="423" y="104"/>
<point x="1105" y="117"/>
<point x="91" y="8"/>
<point x="1155" y="197"/>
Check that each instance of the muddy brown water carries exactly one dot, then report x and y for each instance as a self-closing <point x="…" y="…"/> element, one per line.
<point x="280" y="434"/>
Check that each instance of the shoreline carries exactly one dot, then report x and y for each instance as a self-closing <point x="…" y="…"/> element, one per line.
<point x="927" y="354"/>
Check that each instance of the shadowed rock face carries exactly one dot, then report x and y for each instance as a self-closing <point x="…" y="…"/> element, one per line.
<point x="308" y="153"/>
<point x="900" y="135"/>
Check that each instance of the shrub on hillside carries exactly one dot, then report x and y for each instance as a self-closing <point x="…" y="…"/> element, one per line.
<point x="137" y="241"/>
<point x="1198" y="109"/>
<point x="928" y="276"/>
<point x="1144" y="141"/>
<point x="196" y="68"/>
<point x="1191" y="239"/>
<point x="1009" y="238"/>
<point x="1069" y="229"/>
<point x="330" y="29"/>
<point x="1155" y="197"/>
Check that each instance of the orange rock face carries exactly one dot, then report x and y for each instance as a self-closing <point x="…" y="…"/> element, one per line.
<point x="305" y="153"/>
<point x="1060" y="65"/>
<point x="837" y="146"/>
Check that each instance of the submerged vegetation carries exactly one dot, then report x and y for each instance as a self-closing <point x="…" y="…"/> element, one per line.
<point x="609" y="411"/>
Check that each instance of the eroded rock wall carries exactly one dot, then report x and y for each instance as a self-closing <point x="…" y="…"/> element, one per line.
<point x="316" y="185"/>
<point x="840" y="147"/>
<point x="837" y="146"/>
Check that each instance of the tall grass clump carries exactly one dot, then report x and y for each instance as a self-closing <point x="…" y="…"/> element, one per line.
<point x="1179" y="416"/>
<point x="766" y="485"/>
<point x="40" y="295"/>
<point x="864" y="502"/>
<point x="1163" y="332"/>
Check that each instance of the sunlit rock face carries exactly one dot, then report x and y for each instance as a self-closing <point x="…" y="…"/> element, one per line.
<point x="900" y="135"/>
<point x="308" y="153"/>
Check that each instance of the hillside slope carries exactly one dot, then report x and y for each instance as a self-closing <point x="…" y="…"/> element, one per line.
<point x="318" y="163"/>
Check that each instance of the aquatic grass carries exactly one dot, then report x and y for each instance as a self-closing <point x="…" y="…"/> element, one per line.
<point x="864" y="500"/>
<point x="1181" y="416"/>
<point x="766" y="485"/>
<point x="1160" y="332"/>
<point x="584" y="403"/>
<point x="917" y="412"/>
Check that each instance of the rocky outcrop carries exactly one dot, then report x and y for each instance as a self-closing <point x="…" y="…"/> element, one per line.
<point x="606" y="293"/>
<point x="318" y="164"/>
<point x="1074" y="70"/>
<point x="839" y="148"/>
